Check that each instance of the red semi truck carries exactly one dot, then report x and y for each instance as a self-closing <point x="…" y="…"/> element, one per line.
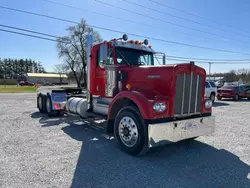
<point x="144" y="104"/>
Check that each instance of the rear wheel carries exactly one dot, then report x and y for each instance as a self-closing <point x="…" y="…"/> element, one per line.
<point x="236" y="97"/>
<point x="212" y="97"/>
<point x="50" y="111"/>
<point x="129" y="130"/>
<point x="41" y="103"/>
<point x="219" y="98"/>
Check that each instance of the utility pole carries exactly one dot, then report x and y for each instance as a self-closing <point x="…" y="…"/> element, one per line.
<point x="209" y="70"/>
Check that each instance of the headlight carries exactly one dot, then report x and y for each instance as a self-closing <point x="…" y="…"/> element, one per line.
<point x="160" y="107"/>
<point x="208" y="104"/>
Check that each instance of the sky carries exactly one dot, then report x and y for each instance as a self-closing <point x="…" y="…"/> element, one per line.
<point x="226" y="21"/>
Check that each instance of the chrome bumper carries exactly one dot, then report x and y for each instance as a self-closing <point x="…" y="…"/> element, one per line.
<point x="175" y="131"/>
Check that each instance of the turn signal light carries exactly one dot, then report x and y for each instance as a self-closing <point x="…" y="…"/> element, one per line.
<point x="128" y="86"/>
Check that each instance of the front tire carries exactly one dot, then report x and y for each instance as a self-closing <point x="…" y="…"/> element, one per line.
<point x="129" y="130"/>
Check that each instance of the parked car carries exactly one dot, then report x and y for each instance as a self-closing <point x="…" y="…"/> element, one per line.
<point x="233" y="91"/>
<point x="26" y="83"/>
<point x="211" y="90"/>
<point x="47" y="84"/>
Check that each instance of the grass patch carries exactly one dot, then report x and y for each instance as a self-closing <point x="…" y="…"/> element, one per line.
<point x="17" y="89"/>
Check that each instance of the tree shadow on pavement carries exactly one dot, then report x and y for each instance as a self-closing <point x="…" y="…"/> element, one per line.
<point x="217" y="104"/>
<point x="232" y="100"/>
<point x="46" y="121"/>
<point x="184" y="164"/>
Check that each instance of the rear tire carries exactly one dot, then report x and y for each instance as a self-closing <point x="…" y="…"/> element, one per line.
<point x="50" y="111"/>
<point x="41" y="103"/>
<point x="219" y="98"/>
<point x="212" y="97"/>
<point x="130" y="131"/>
<point x="236" y="97"/>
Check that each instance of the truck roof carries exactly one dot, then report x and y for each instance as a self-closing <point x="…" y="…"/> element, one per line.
<point x="132" y="45"/>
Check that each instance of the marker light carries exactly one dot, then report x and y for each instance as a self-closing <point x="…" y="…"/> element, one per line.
<point x="137" y="42"/>
<point x="125" y="37"/>
<point x="128" y="86"/>
<point x="131" y="42"/>
<point x="150" y="46"/>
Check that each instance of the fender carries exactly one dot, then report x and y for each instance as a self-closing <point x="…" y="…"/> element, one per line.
<point x="138" y="98"/>
<point x="58" y="100"/>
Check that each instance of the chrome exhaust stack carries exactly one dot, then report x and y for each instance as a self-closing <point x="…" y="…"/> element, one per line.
<point x="90" y="40"/>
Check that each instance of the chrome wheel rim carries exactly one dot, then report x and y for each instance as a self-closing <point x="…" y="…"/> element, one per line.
<point x="128" y="131"/>
<point x="40" y="102"/>
<point x="48" y="105"/>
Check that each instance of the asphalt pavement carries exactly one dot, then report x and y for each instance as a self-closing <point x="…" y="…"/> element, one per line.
<point x="37" y="151"/>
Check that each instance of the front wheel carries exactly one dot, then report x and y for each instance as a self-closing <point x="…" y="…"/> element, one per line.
<point x="129" y="130"/>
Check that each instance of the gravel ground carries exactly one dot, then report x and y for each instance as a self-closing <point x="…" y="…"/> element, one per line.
<point x="62" y="152"/>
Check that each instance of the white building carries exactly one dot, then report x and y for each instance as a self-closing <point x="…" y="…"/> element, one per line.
<point x="47" y="77"/>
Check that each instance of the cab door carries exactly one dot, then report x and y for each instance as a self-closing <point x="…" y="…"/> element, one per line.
<point x="104" y="58"/>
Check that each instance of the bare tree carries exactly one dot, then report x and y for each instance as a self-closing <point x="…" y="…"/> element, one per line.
<point x="73" y="49"/>
<point x="60" y="69"/>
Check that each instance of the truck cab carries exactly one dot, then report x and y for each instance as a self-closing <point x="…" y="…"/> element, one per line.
<point x="146" y="103"/>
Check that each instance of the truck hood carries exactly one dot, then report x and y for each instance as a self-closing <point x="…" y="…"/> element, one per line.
<point x="158" y="81"/>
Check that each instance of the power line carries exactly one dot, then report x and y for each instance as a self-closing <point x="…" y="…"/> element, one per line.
<point x="208" y="62"/>
<point x="24" y="34"/>
<point x="154" y="18"/>
<point x="26" y="30"/>
<point x="121" y="32"/>
<point x="174" y="16"/>
<point x="204" y="59"/>
<point x="36" y="14"/>
<point x="130" y="21"/>
<point x="195" y="15"/>
<point x="173" y="58"/>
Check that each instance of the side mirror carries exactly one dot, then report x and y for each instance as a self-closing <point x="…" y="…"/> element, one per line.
<point x="103" y="53"/>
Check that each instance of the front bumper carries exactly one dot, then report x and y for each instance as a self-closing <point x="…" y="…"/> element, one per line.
<point x="175" y="131"/>
<point x="225" y="95"/>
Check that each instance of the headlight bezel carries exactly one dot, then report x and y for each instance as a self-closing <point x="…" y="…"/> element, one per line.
<point x="208" y="104"/>
<point x="159" y="107"/>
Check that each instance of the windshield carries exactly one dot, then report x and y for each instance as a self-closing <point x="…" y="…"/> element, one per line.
<point x="212" y="84"/>
<point x="134" y="57"/>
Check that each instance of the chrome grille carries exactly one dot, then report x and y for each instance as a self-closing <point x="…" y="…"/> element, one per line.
<point x="188" y="94"/>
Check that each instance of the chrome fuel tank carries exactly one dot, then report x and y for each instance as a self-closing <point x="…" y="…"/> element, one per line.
<point x="77" y="105"/>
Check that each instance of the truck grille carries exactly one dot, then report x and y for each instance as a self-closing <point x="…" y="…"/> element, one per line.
<point x="188" y="96"/>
